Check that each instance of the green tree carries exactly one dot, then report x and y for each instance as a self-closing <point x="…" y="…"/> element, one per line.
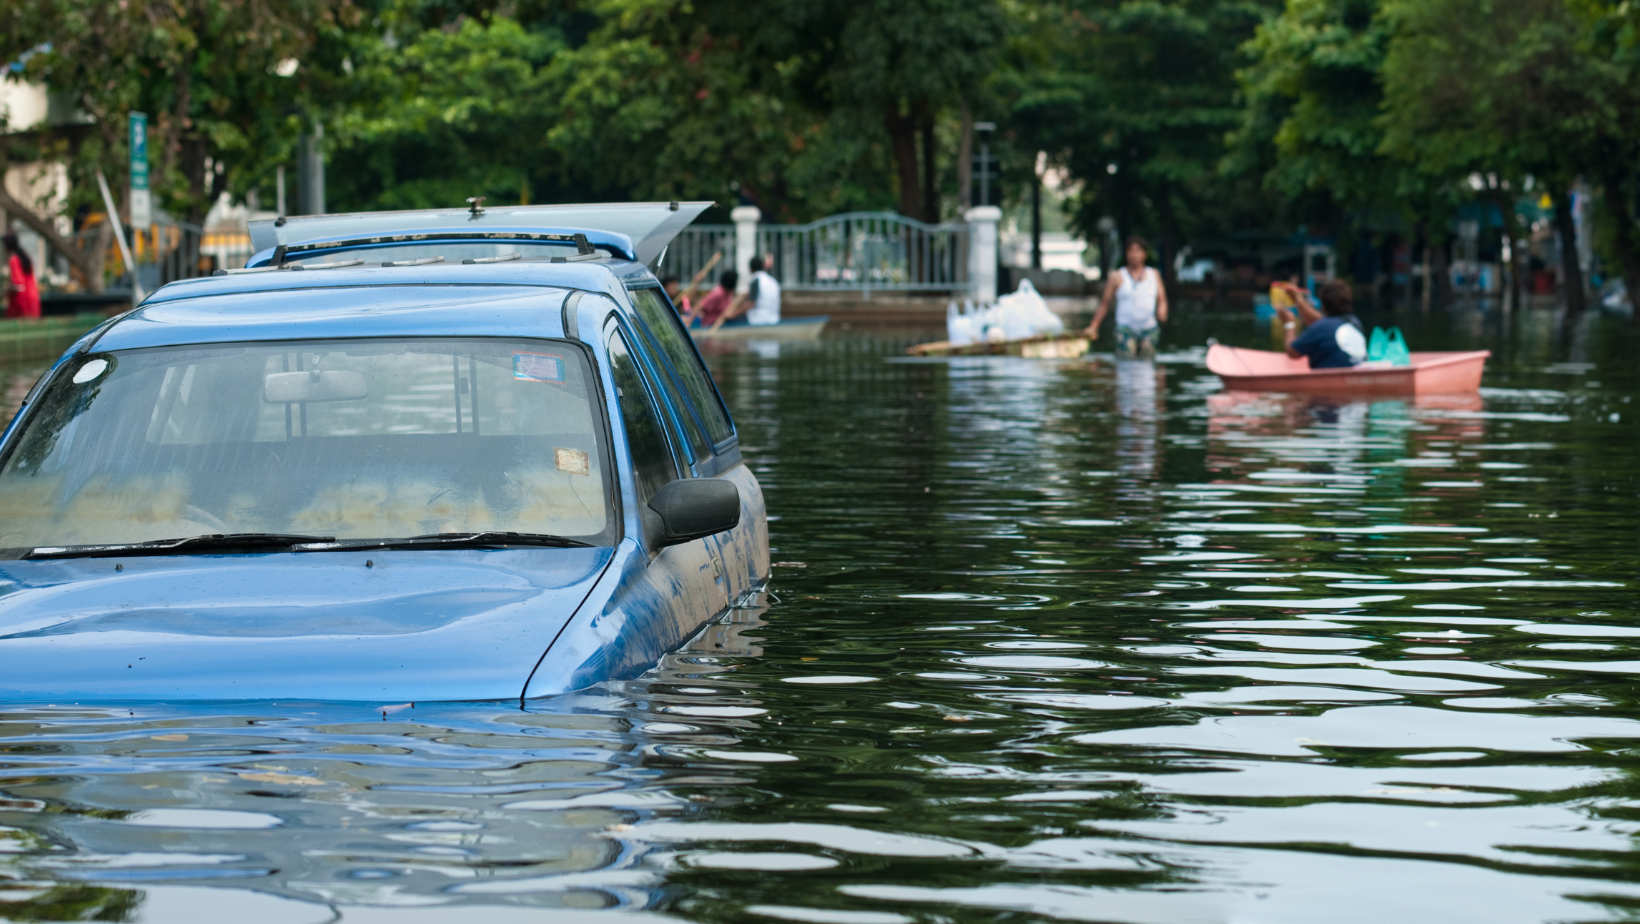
<point x="1612" y="37"/>
<point x="1513" y="87"/>
<point x="792" y="102"/>
<point x="208" y="73"/>
<point x="1312" y="101"/>
<point x="422" y="117"/>
<point x="1314" y="127"/>
<point x="1134" y="98"/>
<point x="907" y="60"/>
<point x="617" y="99"/>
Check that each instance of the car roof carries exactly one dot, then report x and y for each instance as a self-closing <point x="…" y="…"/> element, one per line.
<point x="503" y="299"/>
<point x="339" y="312"/>
<point x="645" y="228"/>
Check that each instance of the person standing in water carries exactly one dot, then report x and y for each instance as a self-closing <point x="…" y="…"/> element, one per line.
<point x="1141" y="303"/>
<point x="22" y="293"/>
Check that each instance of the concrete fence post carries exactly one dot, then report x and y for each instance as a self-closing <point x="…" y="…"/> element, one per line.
<point x="745" y="218"/>
<point x="982" y="251"/>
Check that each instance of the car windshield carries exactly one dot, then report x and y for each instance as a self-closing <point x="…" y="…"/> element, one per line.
<point x="450" y="251"/>
<point x="356" y="439"/>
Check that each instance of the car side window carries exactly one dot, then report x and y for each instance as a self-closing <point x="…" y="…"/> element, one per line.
<point x="688" y="423"/>
<point x="664" y="326"/>
<point x="652" y="463"/>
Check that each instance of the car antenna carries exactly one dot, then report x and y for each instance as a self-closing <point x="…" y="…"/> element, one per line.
<point x="475" y="206"/>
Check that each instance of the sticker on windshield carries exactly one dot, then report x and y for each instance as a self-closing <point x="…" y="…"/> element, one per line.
<point x="538" y="367"/>
<point x="573" y="461"/>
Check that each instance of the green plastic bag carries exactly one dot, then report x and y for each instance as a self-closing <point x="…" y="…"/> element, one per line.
<point x="1388" y="346"/>
<point x="1396" y="351"/>
<point x="1377" y="344"/>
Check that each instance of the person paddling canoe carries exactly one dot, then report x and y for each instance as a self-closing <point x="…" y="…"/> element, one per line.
<point x="1334" y="340"/>
<point x="1141" y="303"/>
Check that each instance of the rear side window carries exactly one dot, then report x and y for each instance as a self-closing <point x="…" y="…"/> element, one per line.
<point x="651" y="458"/>
<point x="688" y="422"/>
<point x="674" y="341"/>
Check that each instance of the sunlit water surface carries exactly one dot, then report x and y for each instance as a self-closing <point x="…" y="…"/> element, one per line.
<point x="1082" y="640"/>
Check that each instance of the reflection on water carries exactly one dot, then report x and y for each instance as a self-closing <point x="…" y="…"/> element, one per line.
<point x="316" y="806"/>
<point x="1083" y="640"/>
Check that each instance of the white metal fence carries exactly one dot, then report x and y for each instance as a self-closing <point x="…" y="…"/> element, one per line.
<point x="692" y="250"/>
<point x="853" y="252"/>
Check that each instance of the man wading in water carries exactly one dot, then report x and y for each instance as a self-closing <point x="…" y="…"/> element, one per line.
<point x="1141" y="304"/>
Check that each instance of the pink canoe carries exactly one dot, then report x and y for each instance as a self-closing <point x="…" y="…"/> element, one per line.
<point x="1429" y="374"/>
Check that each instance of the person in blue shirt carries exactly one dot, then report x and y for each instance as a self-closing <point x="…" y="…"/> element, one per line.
<point x="1333" y="342"/>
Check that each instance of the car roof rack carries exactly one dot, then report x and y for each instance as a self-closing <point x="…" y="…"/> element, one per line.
<point x="650" y="226"/>
<point x="283" y="252"/>
<point x="287" y="266"/>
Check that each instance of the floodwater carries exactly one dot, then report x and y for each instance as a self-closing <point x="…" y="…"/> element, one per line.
<point x="1090" y="641"/>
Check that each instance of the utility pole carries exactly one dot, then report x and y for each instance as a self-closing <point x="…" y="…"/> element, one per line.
<point x="984" y="163"/>
<point x="310" y="172"/>
<point x="1036" y="213"/>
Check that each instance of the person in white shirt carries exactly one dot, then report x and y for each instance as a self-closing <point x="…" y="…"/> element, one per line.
<point x="1141" y="303"/>
<point x="762" y="302"/>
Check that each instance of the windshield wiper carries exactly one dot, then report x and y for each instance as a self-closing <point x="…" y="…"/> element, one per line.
<point x="486" y="539"/>
<point x="191" y="545"/>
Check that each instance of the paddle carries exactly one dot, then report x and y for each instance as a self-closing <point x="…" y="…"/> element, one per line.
<point x="723" y="317"/>
<point x="694" y="284"/>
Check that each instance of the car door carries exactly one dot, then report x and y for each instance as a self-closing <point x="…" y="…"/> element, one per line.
<point x="684" y="585"/>
<point x="653" y="597"/>
<point x="704" y="423"/>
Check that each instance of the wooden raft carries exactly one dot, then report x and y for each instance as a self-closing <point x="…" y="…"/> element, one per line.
<point x="1062" y="346"/>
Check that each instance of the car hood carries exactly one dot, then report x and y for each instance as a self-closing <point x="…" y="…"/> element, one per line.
<point x="385" y="626"/>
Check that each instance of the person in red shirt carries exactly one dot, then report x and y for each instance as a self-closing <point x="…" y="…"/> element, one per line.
<point x="22" y="294"/>
<point x="719" y="300"/>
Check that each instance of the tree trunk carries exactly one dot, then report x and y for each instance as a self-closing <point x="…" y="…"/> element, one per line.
<point x="1442" y="266"/>
<point x="930" y="178"/>
<point x="79" y="259"/>
<point x="1571" y="270"/>
<point x="191" y="146"/>
<point x="1168" y="246"/>
<point x="98" y="258"/>
<point x="902" y="131"/>
<point x="1429" y="277"/>
<point x="1511" y="230"/>
<point x="1620" y="199"/>
<point x="965" y="161"/>
<point x="1628" y="246"/>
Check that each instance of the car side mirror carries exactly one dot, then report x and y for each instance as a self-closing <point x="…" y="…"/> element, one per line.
<point x="690" y="508"/>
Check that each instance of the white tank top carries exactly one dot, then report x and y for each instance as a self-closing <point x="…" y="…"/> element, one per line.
<point x="1136" y="301"/>
<point x="766" y="308"/>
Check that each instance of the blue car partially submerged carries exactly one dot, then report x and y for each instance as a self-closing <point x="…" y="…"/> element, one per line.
<point x="459" y="455"/>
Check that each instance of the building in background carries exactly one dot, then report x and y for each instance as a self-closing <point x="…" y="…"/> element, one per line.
<point x="26" y="108"/>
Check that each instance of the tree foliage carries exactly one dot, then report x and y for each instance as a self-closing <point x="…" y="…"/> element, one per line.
<point x="205" y="71"/>
<point x="1134" y="98"/>
<point x="1181" y="119"/>
<point x="1514" y="88"/>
